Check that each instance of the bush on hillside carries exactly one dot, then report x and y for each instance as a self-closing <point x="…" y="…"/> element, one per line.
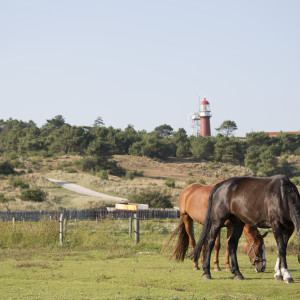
<point x="296" y="181"/>
<point x="6" y="168"/>
<point x="285" y="167"/>
<point x="17" y="182"/>
<point x="35" y="195"/>
<point x="155" y="199"/>
<point x="129" y="175"/>
<point x="103" y="174"/>
<point x="170" y="182"/>
<point x="3" y="198"/>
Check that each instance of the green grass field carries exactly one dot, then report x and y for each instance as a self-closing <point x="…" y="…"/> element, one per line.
<point x="100" y="261"/>
<point x="89" y="275"/>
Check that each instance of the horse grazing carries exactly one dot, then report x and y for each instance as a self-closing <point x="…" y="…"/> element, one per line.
<point x="272" y="202"/>
<point x="193" y="202"/>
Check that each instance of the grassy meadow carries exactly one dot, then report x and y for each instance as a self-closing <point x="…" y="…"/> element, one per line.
<point x="100" y="261"/>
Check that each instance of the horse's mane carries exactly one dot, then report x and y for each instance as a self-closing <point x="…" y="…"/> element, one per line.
<point x="252" y="230"/>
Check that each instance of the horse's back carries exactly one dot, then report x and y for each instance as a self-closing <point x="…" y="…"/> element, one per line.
<point x="193" y="201"/>
<point x="253" y="199"/>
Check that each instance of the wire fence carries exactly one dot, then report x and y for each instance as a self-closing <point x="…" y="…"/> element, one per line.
<point x="89" y="214"/>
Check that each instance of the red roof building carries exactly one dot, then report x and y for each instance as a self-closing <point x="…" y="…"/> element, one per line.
<point x="288" y="132"/>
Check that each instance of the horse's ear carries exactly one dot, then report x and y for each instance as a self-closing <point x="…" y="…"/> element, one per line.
<point x="265" y="234"/>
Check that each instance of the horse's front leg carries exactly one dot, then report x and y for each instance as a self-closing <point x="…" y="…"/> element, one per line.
<point x="233" y="244"/>
<point x="214" y="230"/>
<point x="281" y="270"/>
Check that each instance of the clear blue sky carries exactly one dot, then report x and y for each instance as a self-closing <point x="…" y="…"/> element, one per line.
<point x="146" y="62"/>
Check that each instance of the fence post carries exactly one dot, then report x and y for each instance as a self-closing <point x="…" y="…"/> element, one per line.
<point x="130" y="226"/>
<point x="65" y="222"/>
<point x="136" y="228"/>
<point x="61" y="228"/>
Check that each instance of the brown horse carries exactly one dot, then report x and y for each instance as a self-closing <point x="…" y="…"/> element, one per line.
<point x="272" y="202"/>
<point x="193" y="202"/>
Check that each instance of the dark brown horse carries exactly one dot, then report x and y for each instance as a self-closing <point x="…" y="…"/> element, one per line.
<point x="193" y="202"/>
<point x="272" y="202"/>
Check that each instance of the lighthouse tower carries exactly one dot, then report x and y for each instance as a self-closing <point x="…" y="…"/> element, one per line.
<point x="205" y="115"/>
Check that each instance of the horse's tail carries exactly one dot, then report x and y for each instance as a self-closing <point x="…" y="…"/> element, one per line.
<point x="195" y="254"/>
<point x="182" y="244"/>
<point x="294" y="207"/>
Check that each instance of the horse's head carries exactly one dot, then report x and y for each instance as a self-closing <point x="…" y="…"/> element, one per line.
<point x="255" y="249"/>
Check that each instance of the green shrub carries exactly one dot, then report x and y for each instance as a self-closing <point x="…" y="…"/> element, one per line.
<point x="139" y="173"/>
<point x="190" y="173"/>
<point x="3" y="198"/>
<point x="170" y="182"/>
<point x="35" y="195"/>
<point x="86" y="164"/>
<point x="285" y="167"/>
<point x="202" y="181"/>
<point x="17" y="182"/>
<point x="63" y="164"/>
<point x="296" y="181"/>
<point x="212" y="165"/>
<point x="129" y="175"/>
<point x="191" y="180"/>
<point x="71" y="170"/>
<point x="6" y="168"/>
<point x="12" y="155"/>
<point x="114" y="169"/>
<point x="155" y="199"/>
<point x="17" y="164"/>
<point x="103" y="174"/>
<point x="44" y="153"/>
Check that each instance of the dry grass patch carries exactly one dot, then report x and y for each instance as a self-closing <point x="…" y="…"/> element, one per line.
<point x="30" y="264"/>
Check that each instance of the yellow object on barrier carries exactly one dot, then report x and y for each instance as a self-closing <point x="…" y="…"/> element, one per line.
<point x="132" y="206"/>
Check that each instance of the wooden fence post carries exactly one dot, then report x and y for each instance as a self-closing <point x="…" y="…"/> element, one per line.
<point x="65" y="225"/>
<point x="130" y="226"/>
<point x="136" y="228"/>
<point x="61" y="228"/>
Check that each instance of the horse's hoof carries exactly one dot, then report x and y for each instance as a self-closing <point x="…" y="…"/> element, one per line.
<point x="227" y="270"/>
<point x="289" y="280"/>
<point x="196" y="269"/>
<point x="206" y="276"/>
<point x="278" y="277"/>
<point x="217" y="270"/>
<point x="239" y="277"/>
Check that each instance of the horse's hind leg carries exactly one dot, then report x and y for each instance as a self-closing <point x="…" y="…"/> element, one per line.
<point x="189" y="228"/>
<point x="233" y="244"/>
<point x="217" y="250"/>
<point x="282" y="236"/>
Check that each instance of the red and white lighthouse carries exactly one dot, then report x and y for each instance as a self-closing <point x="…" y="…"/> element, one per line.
<point x="205" y="115"/>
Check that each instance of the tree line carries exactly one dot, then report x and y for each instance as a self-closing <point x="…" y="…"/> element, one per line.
<point x="98" y="143"/>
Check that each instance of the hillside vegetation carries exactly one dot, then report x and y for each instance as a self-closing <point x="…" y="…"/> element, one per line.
<point x="128" y="163"/>
<point x="144" y="174"/>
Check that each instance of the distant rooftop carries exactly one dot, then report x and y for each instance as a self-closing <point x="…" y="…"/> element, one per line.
<point x="289" y="132"/>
